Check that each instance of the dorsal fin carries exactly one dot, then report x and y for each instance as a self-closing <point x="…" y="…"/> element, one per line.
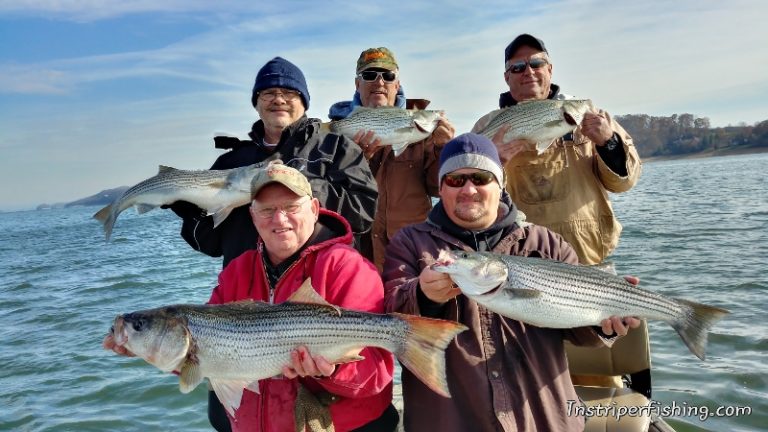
<point x="163" y="169"/>
<point x="307" y="294"/>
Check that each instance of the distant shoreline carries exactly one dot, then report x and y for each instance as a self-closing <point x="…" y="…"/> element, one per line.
<point x="708" y="154"/>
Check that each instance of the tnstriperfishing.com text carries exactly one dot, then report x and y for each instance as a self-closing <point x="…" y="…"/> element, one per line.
<point x="655" y="409"/>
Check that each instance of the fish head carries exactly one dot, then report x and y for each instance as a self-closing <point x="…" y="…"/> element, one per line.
<point x="159" y="336"/>
<point x="239" y="179"/>
<point x="476" y="273"/>
<point x="574" y="110"/>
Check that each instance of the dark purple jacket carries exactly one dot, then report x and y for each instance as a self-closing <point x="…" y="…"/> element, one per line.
<point x="502" y="374"/>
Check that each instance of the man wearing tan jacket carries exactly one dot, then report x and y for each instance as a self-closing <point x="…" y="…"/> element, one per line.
<point x="566" y="187"/>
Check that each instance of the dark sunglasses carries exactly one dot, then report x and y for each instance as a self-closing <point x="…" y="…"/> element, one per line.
<point x="370" y="75"/>
<point x="534" y="63"/>
<point x="480" y="178"/>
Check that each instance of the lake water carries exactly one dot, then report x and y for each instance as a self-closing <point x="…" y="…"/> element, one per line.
<point x="693" y="228"/>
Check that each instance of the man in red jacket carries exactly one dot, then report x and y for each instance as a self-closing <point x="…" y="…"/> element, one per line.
<point x="297" y="240"/>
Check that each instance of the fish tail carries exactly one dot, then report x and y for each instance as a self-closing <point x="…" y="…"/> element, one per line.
<point x="107" y="218"/>
<point x="423" y="352"/>
<point x="693" y="329"/>
<point x="325" y="128"/>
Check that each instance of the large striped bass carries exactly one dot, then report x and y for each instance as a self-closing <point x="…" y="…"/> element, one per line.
<point x="215" y="191"/>
<point x="548" y="293"/>
<point x="235" y="345"/>
<point x="538" y="121"/>
<point x="397" y="127"/>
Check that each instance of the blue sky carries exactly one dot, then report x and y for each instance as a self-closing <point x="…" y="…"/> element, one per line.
<point x="97" y="94"/>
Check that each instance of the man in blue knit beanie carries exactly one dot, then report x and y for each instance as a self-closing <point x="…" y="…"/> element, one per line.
<point x="497" y="369"/>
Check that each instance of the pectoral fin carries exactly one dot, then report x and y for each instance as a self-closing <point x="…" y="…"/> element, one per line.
<point x="542" y="145"/>
<point x="189" y="377"/>
<point x="520" y="293"/>
<point x="399" y="148"/>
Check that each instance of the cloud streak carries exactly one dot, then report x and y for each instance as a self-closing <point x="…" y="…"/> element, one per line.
<point x="106" y="120"/>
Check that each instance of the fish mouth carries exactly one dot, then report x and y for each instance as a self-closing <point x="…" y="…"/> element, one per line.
<point x="569" y="119"/>
<point x="118" y="331"/>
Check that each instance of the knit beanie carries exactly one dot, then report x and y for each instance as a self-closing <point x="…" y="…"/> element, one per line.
<point x="471" y="150"/>
<point x="279" y="72"/>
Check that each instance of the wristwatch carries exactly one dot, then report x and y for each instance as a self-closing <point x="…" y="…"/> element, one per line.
<point x="612" y="142"/>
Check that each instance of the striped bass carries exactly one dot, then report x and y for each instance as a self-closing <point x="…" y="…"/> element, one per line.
<point x="397" y="127"/>
<point x="548" y="293"/>
<point x="235" y="345"/>
<point x="215" y="191"/>
<point x="538" y="121"/>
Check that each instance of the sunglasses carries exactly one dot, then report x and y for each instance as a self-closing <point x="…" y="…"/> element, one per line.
<point x="370" y="75"/>
<point x="480" y="178"/>
<point x="534" y="63"/>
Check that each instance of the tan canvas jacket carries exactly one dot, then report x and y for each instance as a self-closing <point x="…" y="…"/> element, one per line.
<point x="566" y="190"/>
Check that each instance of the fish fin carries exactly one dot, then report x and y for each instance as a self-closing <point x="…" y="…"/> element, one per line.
<point x="230" y="393"/>
<point x="399" y="148"/>
<point x="423" y="351"/>
<point x="307" y="294"/>
<point x="143" y="208"/>
<point x="106" y="218"/>
<point x="325" y="128"/>
<point x="348" y="359"/>
<point x="542" y="145"/>
<point x="165" y="169"/>
<point x="220" y="215"/>
<point x="521" y="292"/>
<point x="693" y="328"/>
<point x="605" y="266"/>
<point x="189" y="376"/>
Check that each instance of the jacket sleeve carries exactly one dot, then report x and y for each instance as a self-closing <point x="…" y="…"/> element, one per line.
<point x="199" y="233"/>
<point x="401" y="273"/>
<point x="612" y="181"/>
<point x="342" y="181"/>
<point x="353" y="283"/>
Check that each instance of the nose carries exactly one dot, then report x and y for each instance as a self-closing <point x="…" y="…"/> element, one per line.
<point x="469" y="188"/>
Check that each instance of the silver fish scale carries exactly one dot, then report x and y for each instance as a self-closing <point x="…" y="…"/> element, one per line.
<point x="256" y="342"/>
<point x="175" y="179"/>
<point x="383" y="121"/>
<point x="525" y="117"/>
<point x="580" y="287"/>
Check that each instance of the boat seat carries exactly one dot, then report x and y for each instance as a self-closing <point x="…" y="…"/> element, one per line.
<point x="618" y="397"/>
<point x="599" y="376"/>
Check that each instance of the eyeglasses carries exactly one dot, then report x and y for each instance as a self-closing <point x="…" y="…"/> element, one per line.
<point x="286" y="209"/>
<point x="287" y="95"/>
<point x="534" y="63"/>
<point x="480" y="178"/>
<point x="370" y="75"/>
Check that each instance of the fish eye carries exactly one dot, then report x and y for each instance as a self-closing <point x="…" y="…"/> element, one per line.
<point x="139" y="324"/>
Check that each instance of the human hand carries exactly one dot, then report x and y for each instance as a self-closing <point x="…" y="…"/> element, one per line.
<point x="184" y="209"/>
<point x="508" y="149"/>
<point x="368" y="142"/>
<point x="596" y="127"/>
<point x="109" y="344"/>
<point x="438" y="287"/>
<point x="304" y="364"/>
<point x="444" y="132"/>
<point x="621" y="325"/>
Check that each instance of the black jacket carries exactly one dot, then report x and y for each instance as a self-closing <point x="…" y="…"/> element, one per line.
<point x="336" y="168"/>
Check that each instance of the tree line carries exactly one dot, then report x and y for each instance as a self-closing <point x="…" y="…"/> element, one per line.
<point x="681" y="134"/>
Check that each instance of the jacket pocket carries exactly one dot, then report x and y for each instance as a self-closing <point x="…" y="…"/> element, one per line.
<point x="540" y="183"/>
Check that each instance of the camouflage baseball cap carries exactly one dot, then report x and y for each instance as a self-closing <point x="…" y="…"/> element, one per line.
<point x="289" y="177"/>
<point x="376" y="58"/>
